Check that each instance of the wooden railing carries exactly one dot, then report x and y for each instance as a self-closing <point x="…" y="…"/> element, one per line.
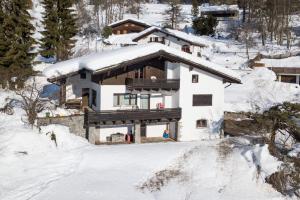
<point x="131" y="116"/>
<point x="155" y="84"/>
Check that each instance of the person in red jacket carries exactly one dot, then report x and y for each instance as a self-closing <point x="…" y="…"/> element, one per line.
<point x="129" y="137"/>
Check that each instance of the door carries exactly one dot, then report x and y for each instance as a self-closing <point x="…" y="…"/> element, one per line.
<point x="85" y="97"/>
<point x="145" y="101"/>
<point x="143" y="130"/>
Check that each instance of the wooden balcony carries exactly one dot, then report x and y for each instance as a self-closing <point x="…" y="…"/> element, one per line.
<point x="149" y="84"/>
<point x="117" y="117"/>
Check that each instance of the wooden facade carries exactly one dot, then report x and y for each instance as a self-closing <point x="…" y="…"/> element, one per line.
<point x="143" y="70"/>
<point x="128" y="26"/>
<point x="156" y="84"/>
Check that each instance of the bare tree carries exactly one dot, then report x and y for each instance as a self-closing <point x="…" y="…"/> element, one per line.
<point x="31" y="101"/>
<point x="174" y="16"/>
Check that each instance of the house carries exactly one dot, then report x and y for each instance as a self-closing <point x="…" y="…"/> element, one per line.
<point x="145" y="89"/>
<point x="221" y="12"/>
<point x="173" y="38"/>
<point x="129" y="25"/>
<point x="286" y="69"/>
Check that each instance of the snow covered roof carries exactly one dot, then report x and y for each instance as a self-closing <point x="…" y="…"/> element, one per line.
<point x="192" y="39"/>
<point x="98" y="62"/>
<point x="121" y="39"/>
<point x="285" y="62"/>
<point x="133" y="20"/>
<point x="211" y="8"/>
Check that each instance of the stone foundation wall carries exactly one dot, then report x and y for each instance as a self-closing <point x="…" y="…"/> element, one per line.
<point x="75" y="123"/>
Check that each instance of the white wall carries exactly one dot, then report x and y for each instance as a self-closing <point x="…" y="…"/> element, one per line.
<point x="107" y="96"/>
<point x="208" y="84"/>
<point x="155" y="130"/>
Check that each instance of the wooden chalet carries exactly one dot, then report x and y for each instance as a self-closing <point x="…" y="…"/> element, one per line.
<point x="128" y="26"/>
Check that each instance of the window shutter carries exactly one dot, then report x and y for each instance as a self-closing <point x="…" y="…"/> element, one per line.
<point x="202" y="100"/>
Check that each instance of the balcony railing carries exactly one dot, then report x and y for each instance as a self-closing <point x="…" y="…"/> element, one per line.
<point x="131" y="116"/>
<point x="155" y="84"/>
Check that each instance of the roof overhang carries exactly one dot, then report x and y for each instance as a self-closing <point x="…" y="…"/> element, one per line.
<point x="160" y="54"/>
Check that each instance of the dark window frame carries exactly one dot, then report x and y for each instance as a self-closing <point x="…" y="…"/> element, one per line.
<point x="132" y="99"/>
<point x="83" y="75"/>
<point x="195" y="78"/>
<point x="94" y="97"/>
<point x="201" y="123"/>
<point x="202" y="100"/>
<point x="186" y="48"/>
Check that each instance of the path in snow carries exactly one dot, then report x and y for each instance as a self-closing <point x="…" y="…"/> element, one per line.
<point x="117" y="172"/>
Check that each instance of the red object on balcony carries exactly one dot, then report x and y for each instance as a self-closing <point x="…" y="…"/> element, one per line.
<point x="160" y="106"/>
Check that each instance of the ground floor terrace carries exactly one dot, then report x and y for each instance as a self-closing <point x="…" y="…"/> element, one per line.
<point x="132" y="126"/>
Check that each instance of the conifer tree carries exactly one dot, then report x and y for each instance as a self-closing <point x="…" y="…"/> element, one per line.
<point x="4" y="43"/>
<point x="16" y="51"/>
<point x="59" y="22"/>
<point x="174" y="16"/>
<point x="195" y="8"/>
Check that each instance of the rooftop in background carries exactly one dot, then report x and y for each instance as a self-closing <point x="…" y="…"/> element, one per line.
<point x="291" y="62"/>
<point x="222" y="12"/>
<point x="128" y="25"/>
<point x="207" y="7"/>
<point x="99" y="62"/>
<point x="190" y="38"/>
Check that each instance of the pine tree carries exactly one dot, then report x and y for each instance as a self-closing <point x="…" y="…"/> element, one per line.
<point x="4" y="42"/>
<point x="174" y="13"/>
<point x="50" y="34"/>
<point x="59" y="23"/>
<point x="17" y="48"/>
<point x="195" y="8"/>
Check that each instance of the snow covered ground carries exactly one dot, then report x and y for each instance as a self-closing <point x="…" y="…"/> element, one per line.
<point x="159" y="171"/>
<point x="259" y="91"/>
<point x="33" y="167"/>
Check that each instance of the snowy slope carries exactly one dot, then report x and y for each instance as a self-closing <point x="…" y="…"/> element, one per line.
<point x="259" y="91"/>
<point x="196" y="171"/>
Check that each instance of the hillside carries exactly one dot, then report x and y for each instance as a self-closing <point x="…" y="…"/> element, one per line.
<point x="52" y="163"/>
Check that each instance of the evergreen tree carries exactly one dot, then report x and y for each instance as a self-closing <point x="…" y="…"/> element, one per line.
<point x="174" y="16"/>
<point x="16" y="46"/>
<point x="195" y="8"/>
<point x="205" y="25"/>
<point x="59" y="21"/>
<point x="4" y="42"/>
<point x="50" y="37"/>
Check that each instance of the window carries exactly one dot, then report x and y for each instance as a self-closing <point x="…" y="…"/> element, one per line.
<point x="82" y="75"/>
<point x="201" y="123"/>
<point x="157" y="39"/>
<point x="199" y="54"/>
<point x="202" y="100"/>
<point x="186" y="48"/>
<point x="195" y="78"/>
<point x="124" y="99"/>
<point x="139" y="73"/>
<point x="94" y="97"/>
<point x="288" y="79"/>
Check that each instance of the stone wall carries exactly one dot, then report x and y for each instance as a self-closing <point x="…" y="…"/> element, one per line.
<point x="75" y="123"/>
